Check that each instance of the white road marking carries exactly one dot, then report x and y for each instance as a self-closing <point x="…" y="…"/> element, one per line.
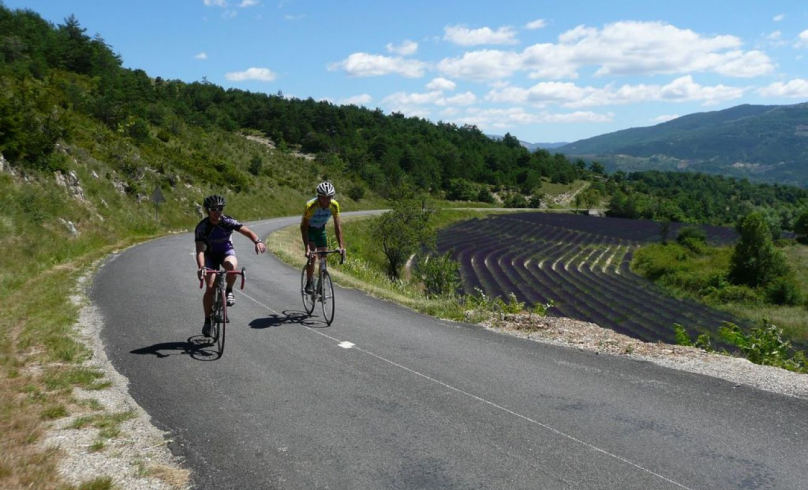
<point x="349" y="345"/>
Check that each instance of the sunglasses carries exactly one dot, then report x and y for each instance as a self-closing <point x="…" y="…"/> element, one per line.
<point x="217" y="209"/>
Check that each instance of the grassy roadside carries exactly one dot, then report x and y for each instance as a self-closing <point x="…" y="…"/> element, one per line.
<point x="41" y="362"/>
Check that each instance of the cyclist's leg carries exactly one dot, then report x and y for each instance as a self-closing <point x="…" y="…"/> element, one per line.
<point x="211" y="262"/>
<point x="230" y="263"/>
<point x="310" y="267"/>
<point x="318" y="241"/>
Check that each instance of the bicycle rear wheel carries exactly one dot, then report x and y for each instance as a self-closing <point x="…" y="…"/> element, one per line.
<point x="308" y="299"/>
<point x="219" y="321"/>
<point x="327" y="296"/>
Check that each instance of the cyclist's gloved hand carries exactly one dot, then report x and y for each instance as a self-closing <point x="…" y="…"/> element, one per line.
<point x="201" y="273"/>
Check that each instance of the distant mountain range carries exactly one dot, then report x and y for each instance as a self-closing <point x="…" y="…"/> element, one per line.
<point x="762" y="143"/>
<point x="531" y="146"/>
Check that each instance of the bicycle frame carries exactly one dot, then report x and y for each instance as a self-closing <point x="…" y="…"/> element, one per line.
<point x="219" y="317"/>
<point x="321" y="294"/>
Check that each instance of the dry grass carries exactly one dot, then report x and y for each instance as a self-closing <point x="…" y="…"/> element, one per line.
<point x="41" y="361"/>
<point x="175" y="477"/>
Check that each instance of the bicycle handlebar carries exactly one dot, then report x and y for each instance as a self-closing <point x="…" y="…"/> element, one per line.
<point x="335" y="251"/>
<point x="209" y="271"/>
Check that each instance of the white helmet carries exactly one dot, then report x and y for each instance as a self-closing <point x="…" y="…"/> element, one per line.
<point x="326" y="189"/>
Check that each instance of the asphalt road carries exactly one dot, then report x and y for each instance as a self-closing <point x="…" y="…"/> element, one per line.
<point x="386" y="398"/>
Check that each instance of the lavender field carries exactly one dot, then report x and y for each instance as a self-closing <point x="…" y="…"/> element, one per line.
<point x="581" y="263"/>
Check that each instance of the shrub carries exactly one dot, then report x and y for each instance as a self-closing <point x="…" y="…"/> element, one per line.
<point x="440" y="274"/>
<point x="356" y="192"/>
<point x="784" y="291"/>
<point x="485" y="195"/>
<point x="733" y="294"/>
<point x="692" y="237"/>
<point x="681" y="336"/>
<point x="256" y="165"/>
<point x="515" y="200"/>
<point x="764" y="345"/>
<point x="755" y="261"/>
<point x="403" y="231"/>
<point x="461" y="190"/>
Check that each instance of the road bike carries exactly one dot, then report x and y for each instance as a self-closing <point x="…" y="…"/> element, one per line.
<point x="218" y="315"/>
<point x="323" y="288"/>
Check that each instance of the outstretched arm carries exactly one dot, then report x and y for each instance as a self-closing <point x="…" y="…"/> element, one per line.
<point x="259" y="245"/>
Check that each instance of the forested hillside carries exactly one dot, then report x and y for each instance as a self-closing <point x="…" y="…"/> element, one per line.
<point x="763" y="143"/>
<point x="68" y="106"/>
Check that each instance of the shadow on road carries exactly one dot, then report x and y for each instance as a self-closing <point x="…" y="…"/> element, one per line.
<point x="288" y="317"/>
<point x="197" y="347"/>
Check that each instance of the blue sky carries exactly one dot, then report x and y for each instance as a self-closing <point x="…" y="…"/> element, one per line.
<point x="543" y="71"/>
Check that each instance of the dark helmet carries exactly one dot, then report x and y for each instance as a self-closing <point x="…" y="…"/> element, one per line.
<point x="326" y="189"/>
<point x="213" y="201"/>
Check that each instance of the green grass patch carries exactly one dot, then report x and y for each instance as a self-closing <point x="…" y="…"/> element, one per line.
<point x="702" y="276"/>
<point x="109" y="425"/>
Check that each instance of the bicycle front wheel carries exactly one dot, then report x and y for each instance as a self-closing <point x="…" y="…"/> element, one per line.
<point x="308" y="299"/>
<point x="327" y="297"/>
<point x="218" y="322"/>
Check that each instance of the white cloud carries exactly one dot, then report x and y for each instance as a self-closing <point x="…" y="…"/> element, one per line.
<point x="248" y="3"/>
<point x="505" y="118"/>
<point x="802" y="40"/>
<point x="411" y="103"/>
<point x="294" y="17"/>
<point x="482" y="65"/>
<point x="664" y="118"/>
<point x="216" y="3"/>
<point x="683" y="89"/>
<point x="541" y="93"/>
<point x="358" y="100"/>
<point x="779" y="17"/>
<point x="536" y="24"/>
<point x="466" y="98"/>
<point x="578" y="117"/>
<point x="369" y="65"/>
<point x="404" y="49"/>
<point x="201" y="56"/>
<point x="473" y="37"/>
<point x="797" y="88"/>
<point x="622" y="48"/>
<point x="441" y="83"/>
<point x="260" y="74"/>
<point x="404" y="99"/>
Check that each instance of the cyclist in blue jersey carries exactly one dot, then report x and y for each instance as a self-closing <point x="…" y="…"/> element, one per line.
<point x="312" y="227"/>
<point x="214" y="249"/>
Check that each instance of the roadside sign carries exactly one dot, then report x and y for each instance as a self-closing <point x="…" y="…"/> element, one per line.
<point x="157" y="195"/>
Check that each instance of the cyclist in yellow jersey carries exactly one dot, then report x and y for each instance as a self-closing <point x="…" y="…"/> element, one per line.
<point x="312" y="227"/>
